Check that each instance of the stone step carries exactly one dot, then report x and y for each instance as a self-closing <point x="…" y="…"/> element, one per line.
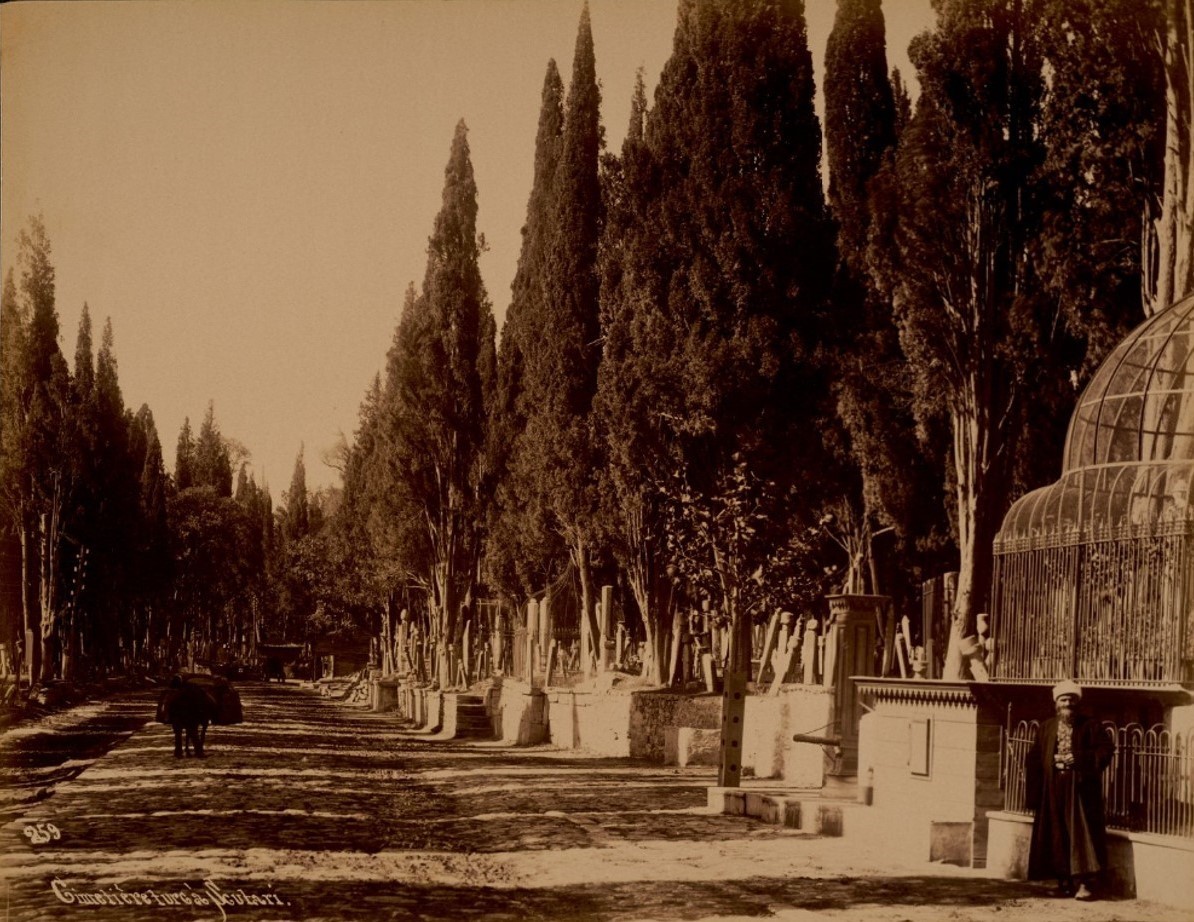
<point x="807" y="811"/>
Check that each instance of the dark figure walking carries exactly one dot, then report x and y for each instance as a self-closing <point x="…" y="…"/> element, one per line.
<point x="187" y="708"/>
<point x="1064" y="772"/>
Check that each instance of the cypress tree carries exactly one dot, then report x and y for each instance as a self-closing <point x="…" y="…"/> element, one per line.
<point x="884" y="478"/>
<point x="519" y="546"/>
<point x="433" y="413"/>
<point x="212" y="462"/>
<point x="712" y="329"/>
<point x="297" y="517"/>
<point x="184" y="458"/>
<point x="557" y="456"/>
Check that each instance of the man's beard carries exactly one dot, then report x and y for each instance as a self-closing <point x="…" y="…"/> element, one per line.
<point x="1065" y="714"/>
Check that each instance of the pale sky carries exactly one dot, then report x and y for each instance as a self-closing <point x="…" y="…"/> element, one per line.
<point x="247" y="188"/>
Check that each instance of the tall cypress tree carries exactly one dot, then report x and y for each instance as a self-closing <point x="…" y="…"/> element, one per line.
<point x="519" y="549"/>
<point x="152" y="574"/>
<point x="114" y="513"/>
<point x="433" y="412"/>
<point x="885" y="480"/>
<point x="623" y="416"/>
<point x="557" y="457"/>
<point x="212" y="462"/>
<point x="184" y="458"/>
<point x="296" y="521"/>
<point x="1102" y="126"/>
<point x="47" y="467"/>
<point x="713" y="328"/>
<point x="12" y="353"/>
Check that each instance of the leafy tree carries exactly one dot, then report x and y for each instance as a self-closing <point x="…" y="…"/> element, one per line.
<point x="215" y="562"/>
<point x="961" y="279"/>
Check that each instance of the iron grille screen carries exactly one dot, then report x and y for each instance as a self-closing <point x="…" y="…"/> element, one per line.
<point x="1149" y="786"/>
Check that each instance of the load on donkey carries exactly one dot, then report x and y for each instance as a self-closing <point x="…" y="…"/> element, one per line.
<point x="193" y="701"/>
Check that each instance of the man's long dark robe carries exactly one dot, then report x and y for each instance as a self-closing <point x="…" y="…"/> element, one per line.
<point x="1069" y="835"/>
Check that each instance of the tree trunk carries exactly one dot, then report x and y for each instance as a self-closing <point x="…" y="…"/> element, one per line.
<point x="1169" y="236"/>
<point x="47" y="593"/>
<point x="580" y="557"/>
<point x="975" y="497"/>
<point x="33" y="653"/>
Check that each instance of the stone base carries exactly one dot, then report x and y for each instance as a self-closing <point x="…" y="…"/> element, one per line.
<point x="805" y="811"/>
<point x="1144" y="866"/>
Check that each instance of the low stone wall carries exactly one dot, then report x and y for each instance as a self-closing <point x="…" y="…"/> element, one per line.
<point x="770" y="722"/>
<point x="518" y="712"/>
<point x="653" y="712"/>
<point x="637" y="724"/>
<point x="596" y="722"/>
<point x="1145" y="866"/>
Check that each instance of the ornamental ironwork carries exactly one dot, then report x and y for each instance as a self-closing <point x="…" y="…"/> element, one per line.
<point x="1094" y="574"/>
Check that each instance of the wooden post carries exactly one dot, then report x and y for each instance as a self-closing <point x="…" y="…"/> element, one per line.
<point x="733" y="706"/>
<point x="532" y="620"/>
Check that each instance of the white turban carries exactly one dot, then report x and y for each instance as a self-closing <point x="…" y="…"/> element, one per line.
<point x="1066" y="687"/>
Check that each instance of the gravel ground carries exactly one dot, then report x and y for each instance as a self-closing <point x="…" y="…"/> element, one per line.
<point x="316" y="810"/>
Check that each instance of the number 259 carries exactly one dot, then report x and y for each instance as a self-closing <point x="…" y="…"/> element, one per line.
<point x="41" y="833"/>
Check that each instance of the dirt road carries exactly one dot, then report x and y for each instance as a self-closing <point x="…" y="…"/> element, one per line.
<point x="313" y="810"/>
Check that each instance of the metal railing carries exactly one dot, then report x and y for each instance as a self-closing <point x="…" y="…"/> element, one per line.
<point x="1149" y="786"/>
<point x="1112" y="607"/>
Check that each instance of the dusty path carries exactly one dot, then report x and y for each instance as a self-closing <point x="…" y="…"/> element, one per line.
<point x="312" y="810"/>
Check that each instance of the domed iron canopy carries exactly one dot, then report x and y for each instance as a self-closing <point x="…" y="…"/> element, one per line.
<point x="1094" y="574"/>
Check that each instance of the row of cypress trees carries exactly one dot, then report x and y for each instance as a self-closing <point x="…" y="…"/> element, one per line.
<point x="710" y="374"/>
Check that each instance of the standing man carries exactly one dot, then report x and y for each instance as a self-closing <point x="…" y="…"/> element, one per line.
<point x="1064" y="772"/>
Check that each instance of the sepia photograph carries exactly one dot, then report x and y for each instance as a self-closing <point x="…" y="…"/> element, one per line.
<point x="604" y="460"/>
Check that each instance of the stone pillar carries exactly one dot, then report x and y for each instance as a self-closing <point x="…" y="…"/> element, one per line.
<point x="808" y="652"/>
<point x="532" y="623"/>
<point x="606" y="622"/>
